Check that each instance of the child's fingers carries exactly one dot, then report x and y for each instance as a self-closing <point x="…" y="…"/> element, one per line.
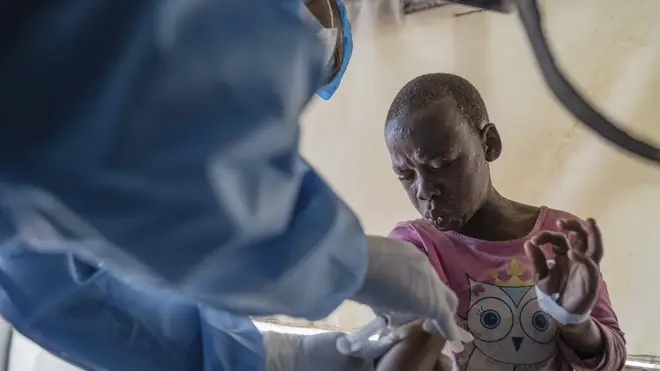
<point x="577" y="228"/>
<point x="560" y="246"/>
<point x="536" y="255"/>
<point x="595" y="246"/>
<point x="589" y="284"/>
<point x="587" y="262"/>
<point x="558" y="241"/>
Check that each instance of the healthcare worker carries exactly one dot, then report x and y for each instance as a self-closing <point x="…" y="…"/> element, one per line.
<point x="151" y="189"/>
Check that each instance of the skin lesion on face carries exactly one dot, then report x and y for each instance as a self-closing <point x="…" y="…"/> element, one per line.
<point x="442" y="163"/>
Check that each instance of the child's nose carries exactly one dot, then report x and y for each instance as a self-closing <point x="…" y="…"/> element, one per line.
<point x="427" y="190"/>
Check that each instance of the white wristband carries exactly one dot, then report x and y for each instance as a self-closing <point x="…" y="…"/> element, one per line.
<point x="548" y="304"/>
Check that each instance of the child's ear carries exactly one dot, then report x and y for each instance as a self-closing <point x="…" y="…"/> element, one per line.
<point x="491" y="142"/>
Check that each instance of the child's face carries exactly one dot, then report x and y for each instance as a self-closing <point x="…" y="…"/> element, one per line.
<point x="440" y="161"/>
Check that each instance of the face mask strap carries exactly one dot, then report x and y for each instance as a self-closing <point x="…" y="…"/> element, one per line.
<point x="329" y="89"/>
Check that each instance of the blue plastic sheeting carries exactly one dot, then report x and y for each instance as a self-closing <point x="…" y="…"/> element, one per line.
<point x="156" y="141"/>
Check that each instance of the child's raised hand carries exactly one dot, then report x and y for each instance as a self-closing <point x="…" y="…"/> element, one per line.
<point x="575" y="273"/>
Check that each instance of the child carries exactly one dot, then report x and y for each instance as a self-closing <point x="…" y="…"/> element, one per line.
<point x="491" y="250"/>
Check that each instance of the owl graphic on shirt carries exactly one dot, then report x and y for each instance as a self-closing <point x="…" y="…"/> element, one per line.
<point x="511" y="332"/>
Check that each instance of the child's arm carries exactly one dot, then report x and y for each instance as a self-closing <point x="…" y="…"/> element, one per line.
<point x="420" y="351"/>
<point x="602" y="332"/>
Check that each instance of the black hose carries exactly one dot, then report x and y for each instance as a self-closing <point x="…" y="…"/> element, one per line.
<point x="563" y="90"/>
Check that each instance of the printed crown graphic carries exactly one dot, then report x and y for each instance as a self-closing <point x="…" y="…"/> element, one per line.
<point x="515" y="271"/>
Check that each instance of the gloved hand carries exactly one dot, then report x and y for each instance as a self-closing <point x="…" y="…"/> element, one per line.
<point x="401" y="282"/>
<point x="291" y="352"/>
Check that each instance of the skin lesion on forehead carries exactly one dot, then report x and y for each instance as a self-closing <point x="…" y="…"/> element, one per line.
<point x="431" y="135"/>
<point x="437" y="118"/>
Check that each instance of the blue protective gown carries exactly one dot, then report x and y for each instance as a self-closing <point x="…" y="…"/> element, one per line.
<point x="152" y="191"/>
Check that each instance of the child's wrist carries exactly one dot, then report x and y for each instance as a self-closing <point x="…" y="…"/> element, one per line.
<point x="584" y="338"/>
<point x="577" y="329"/>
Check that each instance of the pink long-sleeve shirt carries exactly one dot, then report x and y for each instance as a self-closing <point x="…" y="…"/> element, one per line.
<point x="497" y="302"/>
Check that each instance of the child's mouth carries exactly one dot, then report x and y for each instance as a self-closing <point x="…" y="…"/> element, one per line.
<point x="439" y="222"/>
<point x="439" y="219"/>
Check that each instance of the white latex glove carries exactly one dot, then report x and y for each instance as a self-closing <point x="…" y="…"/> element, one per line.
<point x="291" y="352"/>
<point x="402" y="285"/>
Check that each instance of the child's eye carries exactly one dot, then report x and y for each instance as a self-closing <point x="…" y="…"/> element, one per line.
<point x="405" y="175"/>
<point x="442" y="165"/>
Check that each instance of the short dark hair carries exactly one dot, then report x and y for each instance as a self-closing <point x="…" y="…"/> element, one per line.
<point x="425" y="90"/>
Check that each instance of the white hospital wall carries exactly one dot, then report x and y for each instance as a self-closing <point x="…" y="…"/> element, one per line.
<point x="611" y="49"/>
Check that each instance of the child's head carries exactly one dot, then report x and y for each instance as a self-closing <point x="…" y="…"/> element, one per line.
<point x="441" y="141"/>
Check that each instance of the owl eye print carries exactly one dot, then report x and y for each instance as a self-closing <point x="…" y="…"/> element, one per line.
<point x="508" y="326"/>
<point x="536" y="324"/>
<point x="490" y="319"/>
